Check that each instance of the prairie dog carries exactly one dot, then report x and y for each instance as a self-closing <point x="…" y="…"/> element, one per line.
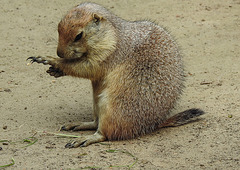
<point x="135" y="68"/>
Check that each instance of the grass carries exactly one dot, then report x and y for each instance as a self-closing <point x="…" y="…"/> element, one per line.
<point x="32" y="140"/>
<point x="7" y="165"/>
<point x="2" y="141"/>
<point x="108" y="151"/>
<point x="29" y="140"/>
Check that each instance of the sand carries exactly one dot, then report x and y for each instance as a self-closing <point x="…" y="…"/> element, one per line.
<point x="33" y="105"/>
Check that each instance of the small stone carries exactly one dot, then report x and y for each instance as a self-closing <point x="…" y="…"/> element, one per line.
<point x="4" y="127"/>
<point x="7" y="90"/>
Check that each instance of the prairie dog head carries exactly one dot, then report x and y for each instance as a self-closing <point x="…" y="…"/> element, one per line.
<point x="85" y="32"/>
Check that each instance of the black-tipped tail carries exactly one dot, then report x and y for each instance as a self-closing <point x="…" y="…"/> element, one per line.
<point x="182" y="118"/>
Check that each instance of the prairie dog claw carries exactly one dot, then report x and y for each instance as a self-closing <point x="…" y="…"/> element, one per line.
<point x="86" y="140"/>
<point x="48" y="60"/>
<point x="38" y="60"/>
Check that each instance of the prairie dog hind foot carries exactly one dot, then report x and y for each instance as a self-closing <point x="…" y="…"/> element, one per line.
<point x="86" y="140"/>
<point x="80" y="126"/>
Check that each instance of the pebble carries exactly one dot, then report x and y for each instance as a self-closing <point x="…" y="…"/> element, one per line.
<point x="7" y="90"/>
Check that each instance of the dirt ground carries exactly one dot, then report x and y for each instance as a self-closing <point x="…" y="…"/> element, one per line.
<point x="33" y="105"/>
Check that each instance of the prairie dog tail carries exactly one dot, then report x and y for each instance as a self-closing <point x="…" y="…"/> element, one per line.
<point x="183" y="118"/>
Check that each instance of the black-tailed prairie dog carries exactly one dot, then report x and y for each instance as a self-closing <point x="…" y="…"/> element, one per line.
<point x="135" y="69"/>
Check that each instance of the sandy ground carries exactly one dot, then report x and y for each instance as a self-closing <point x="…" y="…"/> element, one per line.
<point x="33" y="104"/>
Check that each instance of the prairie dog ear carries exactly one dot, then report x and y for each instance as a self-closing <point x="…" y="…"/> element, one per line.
<point x="97" y="18"/>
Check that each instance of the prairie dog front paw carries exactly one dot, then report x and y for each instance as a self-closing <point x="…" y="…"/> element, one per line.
<point x="55" y="72"/>
<point x="44" y="60"/>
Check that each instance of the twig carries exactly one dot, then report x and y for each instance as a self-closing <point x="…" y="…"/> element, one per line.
<point x="63" y="135"/>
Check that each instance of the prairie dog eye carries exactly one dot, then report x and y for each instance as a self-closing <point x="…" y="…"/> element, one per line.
<point x="78" y="37"/>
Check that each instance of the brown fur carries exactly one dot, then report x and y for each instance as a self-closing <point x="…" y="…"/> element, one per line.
<point x="135" y="68"/>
